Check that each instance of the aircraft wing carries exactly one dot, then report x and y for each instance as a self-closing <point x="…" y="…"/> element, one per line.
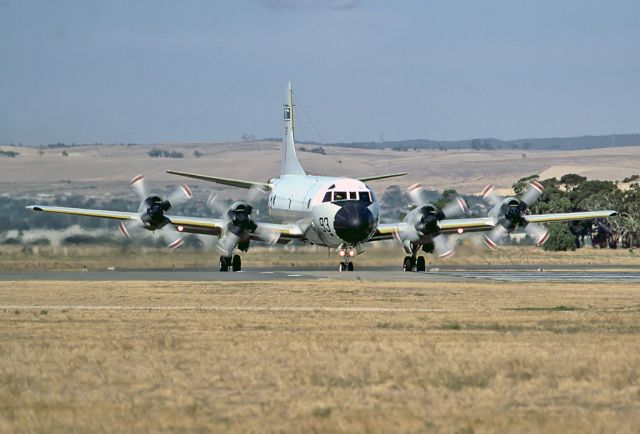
<point x="568" y="216"/>
<point x="225" y="181"/>
<point x="185" y="224"/>
<point x="114" y="215"/>
<point x="388" y="231"/>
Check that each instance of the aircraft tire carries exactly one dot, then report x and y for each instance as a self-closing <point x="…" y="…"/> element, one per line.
<point x="236" y="263"/>
<point x="407" y="264"/>
<point x="224" y="263"/>
<point x="421" y="264"/>
<point x="350" y="266"/>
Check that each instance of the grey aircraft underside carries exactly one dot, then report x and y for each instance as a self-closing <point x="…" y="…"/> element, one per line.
<point x="337" y="212"/>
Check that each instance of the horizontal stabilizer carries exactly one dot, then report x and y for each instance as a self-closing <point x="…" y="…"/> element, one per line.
<point x="225" y="181"/>
<point x="376" y="177"/>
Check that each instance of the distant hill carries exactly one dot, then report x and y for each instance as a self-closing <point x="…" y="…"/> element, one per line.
<point x="553" y="143"/>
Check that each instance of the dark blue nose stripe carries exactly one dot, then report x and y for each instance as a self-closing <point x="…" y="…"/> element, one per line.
<point x="353" y="222"/>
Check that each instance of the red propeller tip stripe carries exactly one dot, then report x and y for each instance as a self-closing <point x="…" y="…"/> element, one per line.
<point x="462" y="204"/>
<point x="446" y="254"/>
<point x="177" y="243"/>
<point x="414" y="187"/>
<point x="535" y="184"/>
<point x="136" y="179"/>
<point x="543" y="239"/>
<point x="123" y="230"/>
<point x="186" y="190"/>
<point x="489" y="242"/>
<point x="486" y="190"/>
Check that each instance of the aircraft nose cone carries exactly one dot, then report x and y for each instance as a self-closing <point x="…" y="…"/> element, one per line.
<point x="354" y="222"/>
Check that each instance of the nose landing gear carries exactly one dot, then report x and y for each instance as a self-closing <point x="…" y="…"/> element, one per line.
<point x="346" y="266"/>
<point x="347" y="253"/>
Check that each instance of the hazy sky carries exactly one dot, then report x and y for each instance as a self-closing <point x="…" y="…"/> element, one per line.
<point x="157" y="71"/>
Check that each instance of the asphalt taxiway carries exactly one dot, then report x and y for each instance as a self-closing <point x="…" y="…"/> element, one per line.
<point x="510" y="274"/>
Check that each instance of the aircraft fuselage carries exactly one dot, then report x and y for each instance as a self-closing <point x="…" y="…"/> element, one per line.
<point x="343" y="211"/>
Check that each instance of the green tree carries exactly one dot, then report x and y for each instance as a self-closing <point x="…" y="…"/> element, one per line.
<point x="447" y="196"/>
<point x="560" y="238"/>
<point x="572" y="179"/>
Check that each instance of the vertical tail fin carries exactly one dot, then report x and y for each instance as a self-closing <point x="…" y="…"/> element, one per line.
<point x="289" y="165"/>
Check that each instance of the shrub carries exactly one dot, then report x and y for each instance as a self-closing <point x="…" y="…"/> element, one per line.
<point x="560" y="238"/>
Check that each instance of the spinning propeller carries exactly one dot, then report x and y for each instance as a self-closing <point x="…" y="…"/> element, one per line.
<point x="510" y="215"/>
<point x="151" y="212"/>
<point x="238" y="224"/>
<point x="421" y="224"/>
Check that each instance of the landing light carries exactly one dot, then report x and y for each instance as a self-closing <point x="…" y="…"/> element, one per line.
<point x="352" y="253"/>
<point x="460" y="230"/>
<point x="180" y="228"/>
<point x="341" y="253"/>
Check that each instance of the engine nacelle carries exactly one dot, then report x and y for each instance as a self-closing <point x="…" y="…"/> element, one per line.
<point x="510" y="213"/>
<point x="238" y="230"/>
<point x="422" y="223"/>
<point x="153" y="209"/>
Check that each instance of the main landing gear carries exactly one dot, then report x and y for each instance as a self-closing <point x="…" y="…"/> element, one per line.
<point x="411" y="263"/>
<point x="230" y="262"/>
<point x="414" y="262"/>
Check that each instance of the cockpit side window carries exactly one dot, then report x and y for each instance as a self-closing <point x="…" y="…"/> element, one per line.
<point x="353" y="195"/>
<point x="365" y="197"/>
<point x="339" y="195"/>
<point x="327" y="197"/>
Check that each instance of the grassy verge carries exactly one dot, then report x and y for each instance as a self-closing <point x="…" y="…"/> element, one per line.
<point x="15" y="258"/>
<point x="321" y="356"/>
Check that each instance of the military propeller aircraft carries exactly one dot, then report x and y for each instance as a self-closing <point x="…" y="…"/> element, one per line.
<point x="337" y="212"/>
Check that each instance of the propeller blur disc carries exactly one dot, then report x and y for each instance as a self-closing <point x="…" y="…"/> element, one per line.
<point x="181" y="195"/>
<point x="534" y="190"/>
<point x="138" y="185"/>
<point x="489" y="194"/>
<point x="267" y="235"/>
<point x="172" y="237"/>
<point x="540" y="234"/>
<point x="417" y="194"/>
<point x="493" y="239"/>
<point x="455" y="208"/>
<point x="442" y="247"/>
<point x="226" y="244"/>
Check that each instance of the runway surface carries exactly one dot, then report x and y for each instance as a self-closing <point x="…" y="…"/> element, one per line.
<point x="512" y="274"/>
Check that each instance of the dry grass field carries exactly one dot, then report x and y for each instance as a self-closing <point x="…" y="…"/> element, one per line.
<point x="17" y="258"/>
<point x="321" y="356"/>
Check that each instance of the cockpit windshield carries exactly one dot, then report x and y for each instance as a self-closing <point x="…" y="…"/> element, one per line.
<point x="365" y="197"/>
<point x="335" y="196"/>
<point x="339" y="195"/>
